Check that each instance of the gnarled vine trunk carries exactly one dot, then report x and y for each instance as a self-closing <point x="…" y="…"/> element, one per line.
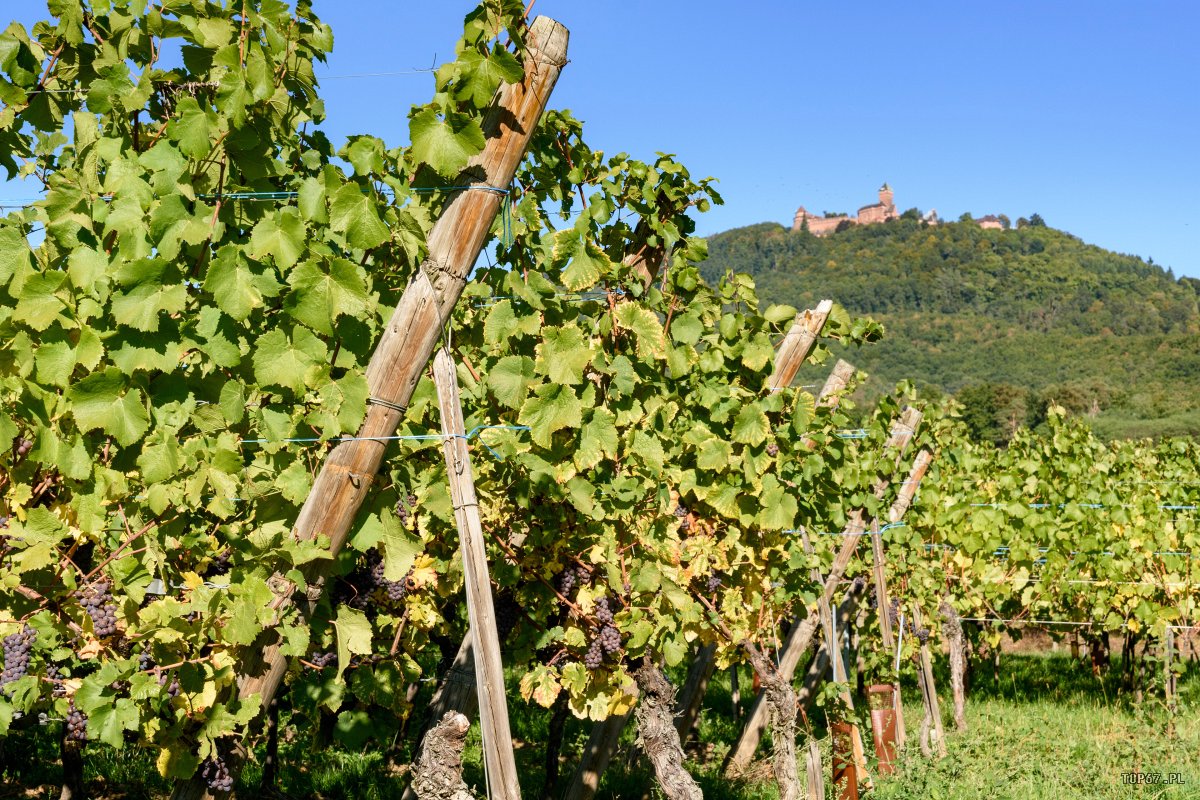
<point x="658" y="735"/>
<point x="437" y="775"/>
<point x="781" y="702"/>
<point x="952" y="628"/>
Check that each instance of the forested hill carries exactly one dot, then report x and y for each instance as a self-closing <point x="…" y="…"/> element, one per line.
<point x="1005" y="319"/>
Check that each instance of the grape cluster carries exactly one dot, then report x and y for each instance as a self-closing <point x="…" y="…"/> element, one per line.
<point x="923" y="635"/>
<point x="17" y="647"/>
<point x="508" y="614"/>
<point x="215" y="773"/>
<point x="221" y="564"/>
<point x="772" y="449"/>
<point x="404" y="505"/>
<point x="322" y="660"/>
<point x="97" y="601"/>
<point x="146" y="661"/>
<point x="77" y="725"/>
<point x="366" y="585"/>
<point x="681" y="511"/>
<point x="608" y="641"/>
<point x="173" y="689"/>
<point x="713" y="582"/>
<point x="54" y="675"/>
<point x="23" y="445"/>
<point x="859" y="583"/>
<point x="894" y="612"/>
<point x="570" y="577"/>
<point x="396" y="590"/>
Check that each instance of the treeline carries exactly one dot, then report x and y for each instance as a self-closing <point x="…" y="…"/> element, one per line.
<point x="1020" y="317"/>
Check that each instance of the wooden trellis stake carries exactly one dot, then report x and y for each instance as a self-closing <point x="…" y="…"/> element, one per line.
<point x="932" y="724"/>
<point x="345" y="477"/>
<point x="805" y="627"/>
<point x="485" y="642"/>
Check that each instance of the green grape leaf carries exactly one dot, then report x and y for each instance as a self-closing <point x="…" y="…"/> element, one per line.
<point x="445" y="144"/>
<point x="104" y="400"/>
<point x="552" y="408"/>
<point x="354" y="214"/>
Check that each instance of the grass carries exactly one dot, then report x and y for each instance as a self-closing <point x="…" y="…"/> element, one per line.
<point x="1046" y="729"/>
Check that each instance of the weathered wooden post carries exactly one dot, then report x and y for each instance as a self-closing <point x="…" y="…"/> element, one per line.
<point x="931" y="726"/>
<point x="1169" y="687"/>
<point x="404" y="349"/>
<point x="489" y="671"/>
<point x="815" y="783"/>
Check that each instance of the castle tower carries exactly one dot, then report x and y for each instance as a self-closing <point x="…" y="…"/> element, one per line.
<point x="885" y="195"/>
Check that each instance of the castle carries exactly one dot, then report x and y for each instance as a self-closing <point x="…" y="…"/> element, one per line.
<point x="873" y="214"/>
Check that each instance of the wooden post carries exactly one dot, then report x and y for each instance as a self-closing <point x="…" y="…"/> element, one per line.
<point x="933" y="709"/>
<point x="1169" y="687"/>
<point x="694" y="687"/>
<point x="804" y="628"/>
<point x="399" y="360"/>
<point x="601" y="745"/>
<point x="489" y="671"/>
<point x="797" y="345"/>
<point x="735" y="693"/>
<point x="815" y="786"/>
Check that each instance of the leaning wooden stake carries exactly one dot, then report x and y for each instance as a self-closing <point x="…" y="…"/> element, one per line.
<point x="489" y="671"/>
<point x="805" y="627"/>
<point x="815" y="785"/>
<point x="1169" y="681"/>
<point x="931" y="726"/>
<point x="346" y="476"/>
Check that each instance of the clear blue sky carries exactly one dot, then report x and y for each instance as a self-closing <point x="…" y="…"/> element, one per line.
<point x="1085" y="112"/>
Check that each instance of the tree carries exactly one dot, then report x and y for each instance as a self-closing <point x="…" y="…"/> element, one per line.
<point x="1036" y="221"/>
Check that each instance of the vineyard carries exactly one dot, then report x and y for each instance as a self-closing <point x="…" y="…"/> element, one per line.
<point x="399" y="453"/>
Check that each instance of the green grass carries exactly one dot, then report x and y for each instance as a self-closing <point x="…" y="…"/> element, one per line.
<point x="1047" y="729"/>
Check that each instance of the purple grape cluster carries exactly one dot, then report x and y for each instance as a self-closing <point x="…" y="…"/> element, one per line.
<point x="713" y="582"/>
<point x="923" y="635"/>
<point x="570" y="577"/>
<point x="772" y="449"/>
<point x="221" y="564"/>
<point x="54" y="675"/>
<point x="146" y="661"/>
<point x="22" y="445"/>
<point x="173" y="688"/>
<point x="322" y="660"/>
<point x="608" y="641"/>
<point x="77" y="725"/>
<point x="17" y="648"/>
<point x="215" y="773"/>
<point x="682" y="511"/>
<point x="97" y="601"/>
<point x="396" y="590"/>
<point x="508" y="614"/>
<point x="366" y="585"/>
<point x="894" y="612"/>
<point x="4" y="537"/>
<point x="404" y="506"/>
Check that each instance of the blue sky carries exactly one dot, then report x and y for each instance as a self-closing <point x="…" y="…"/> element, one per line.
<point x="1085" y="112"/>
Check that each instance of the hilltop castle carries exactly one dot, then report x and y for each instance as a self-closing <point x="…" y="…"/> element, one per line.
<point x="873" y="214"/>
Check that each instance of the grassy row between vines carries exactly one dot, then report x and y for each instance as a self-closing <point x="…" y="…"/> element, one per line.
<point x="1047" y="729"/>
